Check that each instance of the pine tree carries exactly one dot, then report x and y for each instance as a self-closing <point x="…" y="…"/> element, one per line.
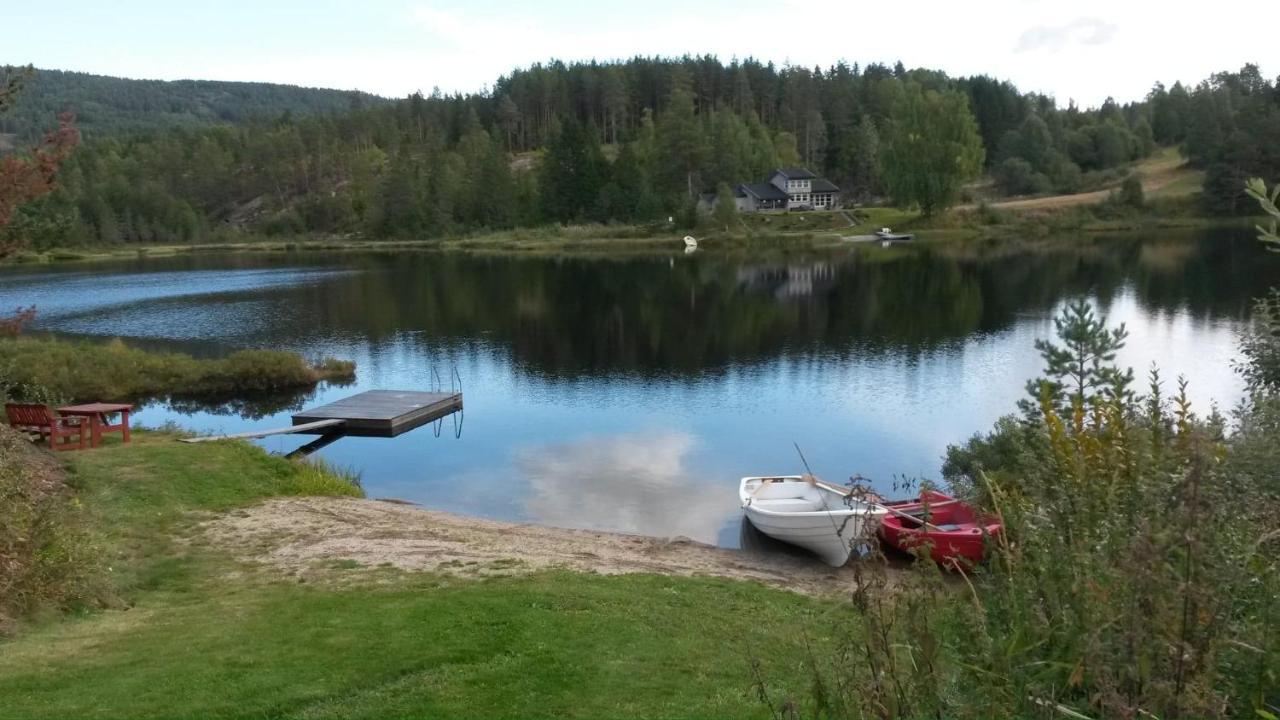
<point x="508" y="119"/>
<point x="573" y="172"/>
<point x="682" y="145"/>
<point x="632" y="183"/>
<point x="859" y="160"/>
<point x="1083" y="368"/>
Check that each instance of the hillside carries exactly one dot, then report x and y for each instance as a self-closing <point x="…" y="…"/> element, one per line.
<point x="110" y="106"/>
<point x="1163" y="174"/>
<point x="627" y="143"/>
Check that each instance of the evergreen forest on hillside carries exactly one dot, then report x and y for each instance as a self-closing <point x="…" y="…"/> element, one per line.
<point x="626" y="142"/>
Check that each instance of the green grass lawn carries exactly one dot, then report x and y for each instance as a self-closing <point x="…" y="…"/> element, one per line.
<point x="207" y="636"/>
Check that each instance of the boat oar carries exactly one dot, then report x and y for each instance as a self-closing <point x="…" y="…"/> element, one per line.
<point x="848" y="492"/>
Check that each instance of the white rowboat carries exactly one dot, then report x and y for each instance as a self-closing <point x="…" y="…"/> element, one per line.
<point x="813" y="515"/>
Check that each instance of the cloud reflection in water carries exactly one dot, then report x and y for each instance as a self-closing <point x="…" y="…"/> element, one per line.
<point x="633" y="482"/>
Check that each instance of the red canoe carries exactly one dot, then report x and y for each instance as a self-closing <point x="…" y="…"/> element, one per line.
<point x="950" y="526"/>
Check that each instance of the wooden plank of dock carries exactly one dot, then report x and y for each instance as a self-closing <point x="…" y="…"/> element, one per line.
<point x="383" y="413"/>
<point x="330" y="425"/>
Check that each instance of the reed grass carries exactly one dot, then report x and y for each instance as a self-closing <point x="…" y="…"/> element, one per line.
<point x="317" y="477"/>
<point x="42" y="369"/>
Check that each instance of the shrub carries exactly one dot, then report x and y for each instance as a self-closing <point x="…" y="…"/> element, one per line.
<point x="1261" y="346"/>
<point x="1131" y="193"/>
<point x="45" y="560"/>
<point x="1065" y="174"/>
<point x="13" y="325"/>
<point x="1137" y="574"/>
<point x="82" y="371"/>
<point x="1016" y="176"/>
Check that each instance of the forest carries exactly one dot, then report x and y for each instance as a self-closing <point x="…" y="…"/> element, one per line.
<point x="628" y="142"/>
<point x="109" y="106"/>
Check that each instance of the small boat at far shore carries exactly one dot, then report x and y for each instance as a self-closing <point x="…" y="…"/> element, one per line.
<point x="822" y="518"/>
<point x="888" y="235"/>
<point x="951" y="529"/>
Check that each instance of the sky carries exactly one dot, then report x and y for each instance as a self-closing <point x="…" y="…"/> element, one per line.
<point x="1083" y="50"/>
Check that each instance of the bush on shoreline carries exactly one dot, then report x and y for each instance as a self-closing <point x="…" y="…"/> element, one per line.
<point x="46" y="557"/>
<point x="48" y="370"/>
<point x="1136" y="575"/>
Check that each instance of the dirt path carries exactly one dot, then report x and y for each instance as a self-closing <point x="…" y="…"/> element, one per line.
<point x="1156" y="174"/>
<point x="298" y="535"/>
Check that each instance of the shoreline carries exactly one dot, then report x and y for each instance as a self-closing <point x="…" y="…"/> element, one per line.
<point x="304" y="536"/>
<point x="596" y="242"/>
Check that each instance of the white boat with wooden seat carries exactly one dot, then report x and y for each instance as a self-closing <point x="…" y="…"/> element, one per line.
<point x="817" y="516"/>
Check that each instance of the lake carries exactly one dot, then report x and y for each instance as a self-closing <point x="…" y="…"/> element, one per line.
<point x="631" y="393"/>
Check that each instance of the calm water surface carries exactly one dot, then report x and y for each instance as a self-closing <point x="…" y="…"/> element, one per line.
<point x="631" y="394"/>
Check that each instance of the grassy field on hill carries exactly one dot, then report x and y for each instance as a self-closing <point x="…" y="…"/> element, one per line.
<point x="1164" y="175"/>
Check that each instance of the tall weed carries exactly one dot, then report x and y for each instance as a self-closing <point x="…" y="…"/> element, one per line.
<point x="46" y="559"/>
<point x="1136" y="577"/>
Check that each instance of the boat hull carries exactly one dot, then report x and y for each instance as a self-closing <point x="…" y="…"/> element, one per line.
<point x="962" y="538"/>
<point x="829" y="526"/>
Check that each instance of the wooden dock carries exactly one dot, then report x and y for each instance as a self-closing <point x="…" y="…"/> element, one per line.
<point x="374" y="413"/>
<point x="380" y="413"/>
<point x="254" y="434"/>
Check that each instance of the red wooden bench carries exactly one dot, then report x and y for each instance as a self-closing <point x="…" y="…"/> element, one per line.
<point x="63" y="433"/>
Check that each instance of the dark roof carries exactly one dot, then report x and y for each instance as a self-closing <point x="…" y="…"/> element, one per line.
<point x="795" y="173"/>
<point x="764" y="191"/>
<point x="823" y="186"/>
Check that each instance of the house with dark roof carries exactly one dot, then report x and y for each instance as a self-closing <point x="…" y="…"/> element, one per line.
<point x="788" y="189"/>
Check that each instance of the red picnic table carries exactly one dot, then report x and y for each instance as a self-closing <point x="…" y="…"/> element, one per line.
<point x="98" y="421"/>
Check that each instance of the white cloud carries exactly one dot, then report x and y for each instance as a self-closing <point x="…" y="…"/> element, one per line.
<point x="447" y="24"/>
<point x="1085" y="31"/>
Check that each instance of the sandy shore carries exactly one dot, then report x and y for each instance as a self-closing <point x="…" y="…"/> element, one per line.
<point x="297" y="534"/>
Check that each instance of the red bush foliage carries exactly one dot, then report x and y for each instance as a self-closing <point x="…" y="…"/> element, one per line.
<point x="25" y="178"/>
<point x="12" y="325"/>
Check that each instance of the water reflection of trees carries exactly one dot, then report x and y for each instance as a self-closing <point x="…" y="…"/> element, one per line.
<point x="584" y="316"/>
<point x="253" y="407"/>
<point x="675" y="314"/>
